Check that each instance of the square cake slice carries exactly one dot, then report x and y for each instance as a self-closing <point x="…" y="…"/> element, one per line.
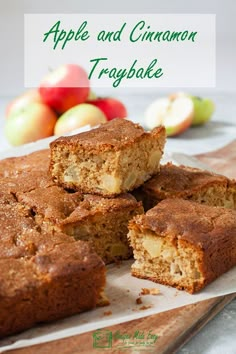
<point x="112" y="159"/>
<point x="188" y="183"/>
<point x="60" y="281"/>
<point x="183" y="244"/>
<point x="104" y="222"/>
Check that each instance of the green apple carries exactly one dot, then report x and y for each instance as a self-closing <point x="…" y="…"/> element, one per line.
<point x="79" y="116"/>
<point x="203" y="110"/>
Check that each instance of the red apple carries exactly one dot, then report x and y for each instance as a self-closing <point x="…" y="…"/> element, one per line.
<point x="35" y="122"/>
<point x="65" y="87"/>
<point x="22" y="101"/>
<point x="79" y="116"/>
<point x="111" y="107"/>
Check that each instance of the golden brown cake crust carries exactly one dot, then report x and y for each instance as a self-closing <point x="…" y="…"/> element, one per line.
<point x="12" y="227"/>
<point x="112" y="159"/>
<point x="181" y="180"/>
<point x="190" y="221"/>
<point x="48" y="286"/>
<point x="45" y="275"/>
<point x="48" y="274"/>
<point x="36" y="161"/>
<point x="53" y="203"/>
<point x="188" y="183"/>
<point x="209" y="231"/>
<point x="104" y="222"/>
<point x="26" y="182"/>
<point x="115" y="135"/>
<point x="93" y="204"/>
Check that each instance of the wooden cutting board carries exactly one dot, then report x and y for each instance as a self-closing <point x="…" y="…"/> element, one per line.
<point x="174" y="328"/>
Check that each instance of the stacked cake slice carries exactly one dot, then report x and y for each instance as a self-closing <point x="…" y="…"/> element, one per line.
<point x="112" y="159"/>
<point x="106" y="162"/>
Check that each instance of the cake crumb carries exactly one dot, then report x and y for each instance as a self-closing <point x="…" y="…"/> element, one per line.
<point x="103" y="300"/>
<point x="145" y="307"/>
<point x="107" y="313"/>
<point x="139" y="301"/>
<point x="151" y="291"/>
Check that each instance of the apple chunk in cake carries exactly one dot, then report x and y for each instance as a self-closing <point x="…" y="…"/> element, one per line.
<point x="183" y="244"/>
<point x="112" y="159"/>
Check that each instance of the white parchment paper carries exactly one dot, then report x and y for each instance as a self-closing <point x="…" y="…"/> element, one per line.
<point x="122" y="290"/>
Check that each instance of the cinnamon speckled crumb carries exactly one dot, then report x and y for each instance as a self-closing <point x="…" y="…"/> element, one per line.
<point x="151" y="291"/>
<point x="145" y="307"/>
<point x="139" y="301"/>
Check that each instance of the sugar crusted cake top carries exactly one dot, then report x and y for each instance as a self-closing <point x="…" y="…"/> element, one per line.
<point x="182" y="180"/>
<point x="200" y="225"/>
<point x="54" y="203"/>
<point x="63" y="259"/>
<point x="114" y="134"/>
<point x="93" y="204"/>
<point x="36" y="161"/>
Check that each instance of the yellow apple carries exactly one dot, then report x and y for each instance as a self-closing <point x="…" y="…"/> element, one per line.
<point x="79" y="116"/>
<point x="22" y="101"/>
<point x="35" y="121"/>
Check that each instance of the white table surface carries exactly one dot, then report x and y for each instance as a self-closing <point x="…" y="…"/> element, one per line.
<point x="219" y="335"/>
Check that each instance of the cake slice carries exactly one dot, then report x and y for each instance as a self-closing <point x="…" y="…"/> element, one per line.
<point x="103" y="221"/>
<point x="112" y="159"/>
<point x="45" y="275"/>
<point x="183" y="244"/>
<point x="61" y="281"/>
<point x="188" y="183"/>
